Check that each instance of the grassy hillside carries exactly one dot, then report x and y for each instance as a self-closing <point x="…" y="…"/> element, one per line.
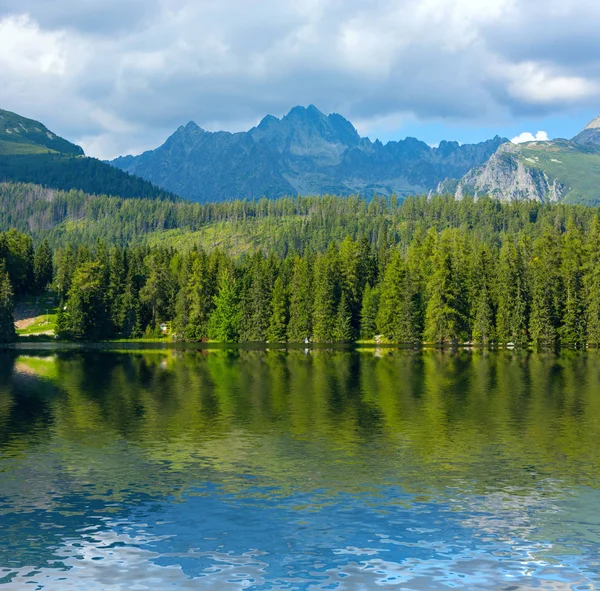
<point x="574" y="166"/>
<point x="19" y="135"/>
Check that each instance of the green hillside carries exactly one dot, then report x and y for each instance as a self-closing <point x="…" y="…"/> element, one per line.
<point x="574" y="166"/>
<point x="31" y="153"/>
<point x="19" y="135"/>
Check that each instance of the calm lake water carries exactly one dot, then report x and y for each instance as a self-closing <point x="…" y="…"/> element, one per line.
<point x="300" y="470"/>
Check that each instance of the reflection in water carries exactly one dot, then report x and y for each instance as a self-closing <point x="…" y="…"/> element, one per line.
<point x="332" y="469"/>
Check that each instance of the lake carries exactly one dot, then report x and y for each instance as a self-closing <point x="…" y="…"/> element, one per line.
<point x="302" y="470"/>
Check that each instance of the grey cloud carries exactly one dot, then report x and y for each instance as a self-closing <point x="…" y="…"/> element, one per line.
<point x="150" y="65"/>
<point x="93" y="17"/>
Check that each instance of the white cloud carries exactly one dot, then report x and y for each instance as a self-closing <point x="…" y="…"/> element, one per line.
<point x="123" y="74"/>
<point x="526" y="136"/>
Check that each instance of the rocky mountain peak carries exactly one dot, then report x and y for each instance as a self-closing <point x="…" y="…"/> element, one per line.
<point x="594" y="124"/>
<point x="590" y="135"/>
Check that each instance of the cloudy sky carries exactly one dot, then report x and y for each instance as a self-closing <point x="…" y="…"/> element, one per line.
<point x="118" y="76"/>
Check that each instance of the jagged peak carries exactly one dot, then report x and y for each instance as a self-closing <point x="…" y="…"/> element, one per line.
<point x="267" y="120"/>
<point x="594" y="124"/>
<point x="300" y="112"/>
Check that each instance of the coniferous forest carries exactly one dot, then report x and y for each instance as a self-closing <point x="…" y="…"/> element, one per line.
<point x="335" y="270"/>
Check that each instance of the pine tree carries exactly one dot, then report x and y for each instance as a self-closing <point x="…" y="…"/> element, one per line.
<point x="483" y="324"/>
<point x="513" y="296"/>
<point x="7" y="320"/>
<point x="445" y="316"/>
<point x="368" y="314"/>
<point x="199" y="294"/>
<point x="573" y="332"/>
<point x="398" y="307"/>
<point x="483" y="307"/>
<point x="300" y="325"/>
<point x="546" y="290"/>
<point x="225" y="319"/>
<point x="343" y="331"/>
<point x="592" y="286"/>
<point x="256" y="302"/>
<point x="279" y="318"/>
<point x="87" y="308"/>
<point x="327" y="296"/>
<point x="42" y="266"/>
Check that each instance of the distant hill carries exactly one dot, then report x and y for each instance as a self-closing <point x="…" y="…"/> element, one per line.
<point x="19" y="135"/>
<point x="553" y="171"/>
<point x="31" y="153"/>
<point x="305" y="152"/>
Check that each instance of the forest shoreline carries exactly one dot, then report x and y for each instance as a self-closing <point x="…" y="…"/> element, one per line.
<point x="51" y="344"/>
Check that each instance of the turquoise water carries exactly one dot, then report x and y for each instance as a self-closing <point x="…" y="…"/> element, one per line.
<point x="304" y="470"/>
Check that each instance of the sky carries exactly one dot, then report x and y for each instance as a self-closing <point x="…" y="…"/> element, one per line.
<point x="119" y="76"/>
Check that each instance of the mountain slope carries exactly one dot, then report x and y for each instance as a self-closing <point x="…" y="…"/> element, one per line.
<point x="31" y="153"/>
<point x="305" y="152"/>
<point x="553" y="171"/>
<point x="19" y="135"/>
<point x="590" y="135"/>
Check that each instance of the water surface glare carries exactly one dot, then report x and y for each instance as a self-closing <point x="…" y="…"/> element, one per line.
<point x="299" y="470"/>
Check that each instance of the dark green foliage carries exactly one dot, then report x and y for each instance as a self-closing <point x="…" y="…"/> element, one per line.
<point x="538" y="280"/>
<point x="573" y="332"/>
<point x="7" y="321"/>
<point x="368" y="313"/>
<point x="42" y="267"/>
<point x="327" y="296"/>
<point x="446" y="314"/>
<point x="66" y="172"/>
<point x="513" y="296"/>
<point x="225" y="319"/>
<point x="546" y="290"/>
<point x="280" y="315"/>
<point x="301" y="300"/>
<point x="86" y="316"/>
<point x="397" y="319"/>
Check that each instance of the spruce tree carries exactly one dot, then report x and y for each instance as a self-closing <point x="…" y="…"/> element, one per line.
<point x="343" y="331"/>
<point x="398" y="306"/>
<point x="7" y="320"/>
<point x="368" y="314"/>
<point x="592" y="286"/>
<point x="327" y="295"/>
<point x="573" y="332"/>
<point x="513" y="295"/>
<point x="225" y="319"/>
<point x="300" y="325"/>
<point x="546" y="290"/>
<point x="42" y="266"/>
<point x="280" y="316"/>
<point x="445" y="316"/>
<point x="87" y="307"/>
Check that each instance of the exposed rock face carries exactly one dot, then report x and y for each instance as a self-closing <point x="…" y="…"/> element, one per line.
<point x="305" y="152"/>
<point x="590" y="135"/>
<point x="507" y="176"/>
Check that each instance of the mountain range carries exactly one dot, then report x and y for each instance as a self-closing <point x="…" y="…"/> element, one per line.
<point x="306" y="152"/>
<point x="309" y="153"/>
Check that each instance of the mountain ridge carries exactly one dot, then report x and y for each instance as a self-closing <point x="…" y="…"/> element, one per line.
<point x="553" y="171"/>
<point x="304" y="152"/>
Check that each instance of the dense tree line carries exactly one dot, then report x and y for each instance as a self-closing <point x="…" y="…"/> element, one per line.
<point x="24" y="270"/>
<point x="330" y="269"/>
<point x="444" y="287"/>
<point x="279" y="226"/>
<point x="66" y="172"/>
